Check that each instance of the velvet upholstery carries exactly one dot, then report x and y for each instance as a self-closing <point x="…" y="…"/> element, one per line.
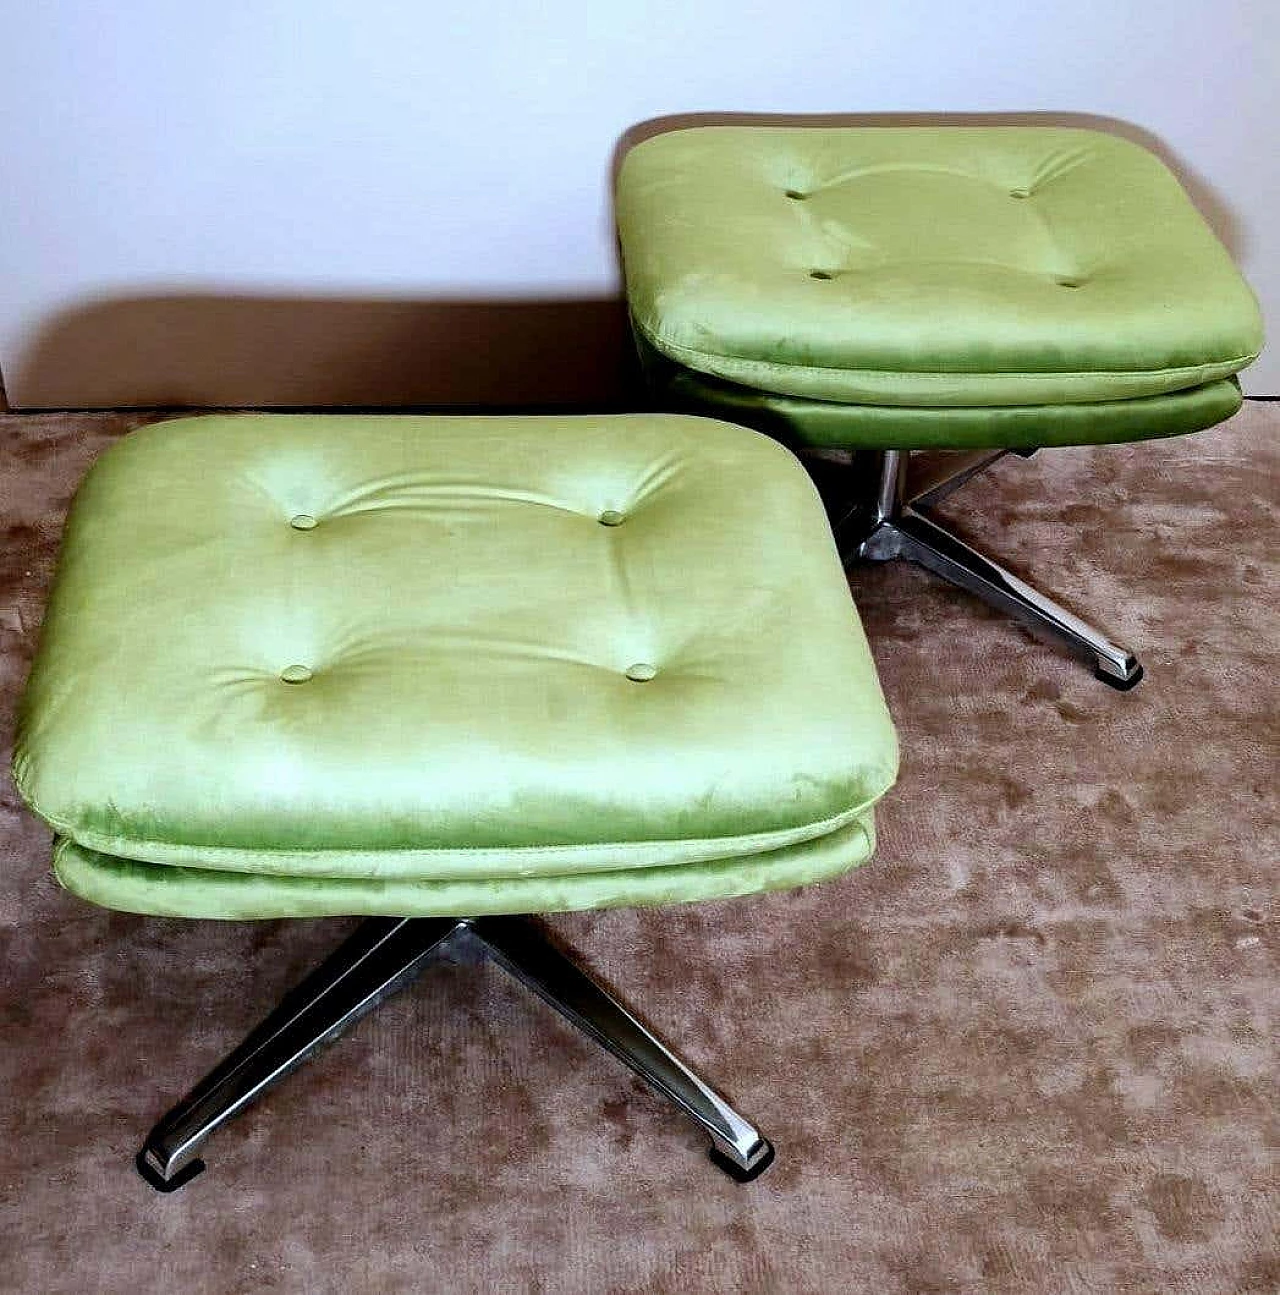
<point x="825" y="424"/>
<point x="134" y="886"/>
<point x="297" y="665"/>
<point x="945" y="267"/>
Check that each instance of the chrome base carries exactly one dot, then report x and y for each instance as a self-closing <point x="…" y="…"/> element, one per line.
<point x="876" y="502"/>
<point x="383" y="956"/>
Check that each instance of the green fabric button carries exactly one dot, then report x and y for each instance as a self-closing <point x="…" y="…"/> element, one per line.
<point x="303" y="522"/>
<point x="641" y="672"/>
<point x="610" y="517"/>
<point x="295" y="674"/>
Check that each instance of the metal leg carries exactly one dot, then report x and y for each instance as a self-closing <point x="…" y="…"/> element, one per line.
<point x="935" y="476"/>
<point x="873" y="500"/>
<point x="523" y="950"/>
<point x="924" y="541"/>
<point x="381" y="957"/>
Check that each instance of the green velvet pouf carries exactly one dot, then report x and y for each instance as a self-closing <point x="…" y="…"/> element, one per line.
<point x="890" y="287"/>
<point x="309" y="665"/>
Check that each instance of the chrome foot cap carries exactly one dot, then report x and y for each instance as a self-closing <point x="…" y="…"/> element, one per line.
<point x="1131" y="680"/>
<point x="162" y="1184"/>
<point x="736" y="1171"/>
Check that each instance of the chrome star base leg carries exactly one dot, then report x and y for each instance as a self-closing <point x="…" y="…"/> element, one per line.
<point x="385" y="955"/>
<point x="884" y="519"/>
<point x="523" y="949"/>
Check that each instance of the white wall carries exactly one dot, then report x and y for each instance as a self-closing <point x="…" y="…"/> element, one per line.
<point x="169" y="162"/>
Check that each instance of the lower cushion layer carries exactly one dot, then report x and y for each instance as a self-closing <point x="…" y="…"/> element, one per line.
<point x="801" y="423"/>
<point x="167" y="891"/>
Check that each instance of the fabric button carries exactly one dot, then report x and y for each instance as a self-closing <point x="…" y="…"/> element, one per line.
<point x="641" y="672"/>
<point x="295" y="674"/>
<point x="611" y="517"/>
<point x="303" y="522"/>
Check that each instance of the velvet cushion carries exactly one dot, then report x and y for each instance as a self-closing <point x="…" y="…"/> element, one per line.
<point x="827" y="424"/>
<point x="942" y="266"/>
<point x="449" y="665"/>
<point x="133" y="886"/>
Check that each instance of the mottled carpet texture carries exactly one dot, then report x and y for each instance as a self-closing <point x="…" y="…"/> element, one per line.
<point x="1029" y="1048"/>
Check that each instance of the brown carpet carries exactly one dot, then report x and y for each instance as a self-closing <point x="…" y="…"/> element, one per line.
<point x="1029" y="1048"/>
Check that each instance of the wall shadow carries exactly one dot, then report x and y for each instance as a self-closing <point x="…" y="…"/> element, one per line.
<point x="193" y="350"/>
<point x="1212" y="206"/>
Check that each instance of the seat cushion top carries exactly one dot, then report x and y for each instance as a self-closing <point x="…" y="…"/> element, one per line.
<point x="928" y="265"/>
<point x="456" y="649"/>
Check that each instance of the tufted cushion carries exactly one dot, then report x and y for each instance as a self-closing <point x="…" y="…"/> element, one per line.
<point x="942" y="266"/>
<point x="313" y="664"/>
